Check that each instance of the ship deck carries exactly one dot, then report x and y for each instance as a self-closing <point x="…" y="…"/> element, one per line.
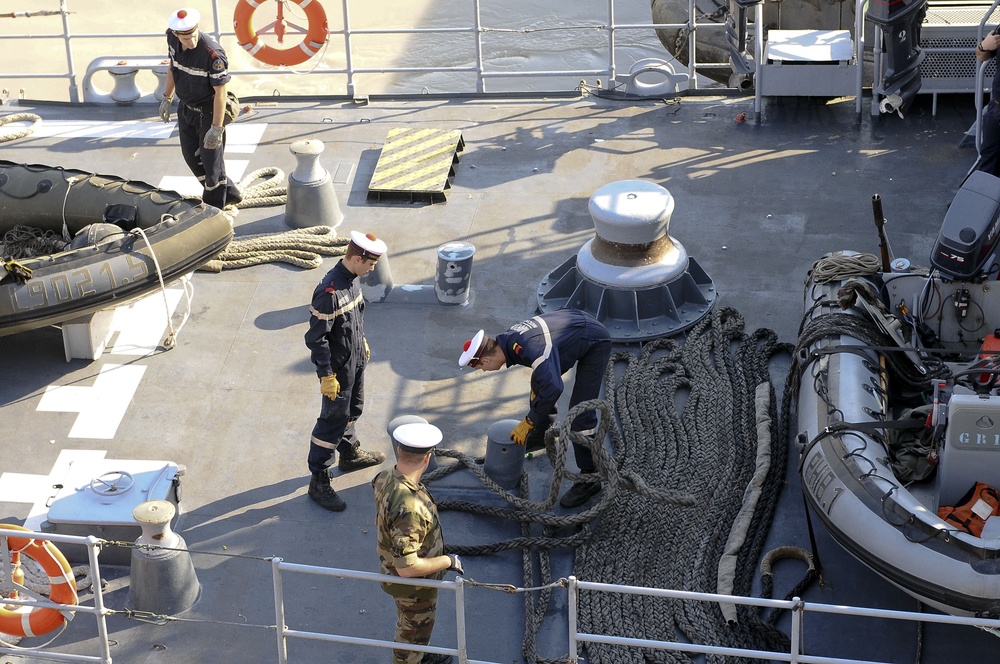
<point x="235" y="399"/>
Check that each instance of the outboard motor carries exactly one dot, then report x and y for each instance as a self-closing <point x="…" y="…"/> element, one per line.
<point x="900" y="22"/>
<point x="965" y="249"/>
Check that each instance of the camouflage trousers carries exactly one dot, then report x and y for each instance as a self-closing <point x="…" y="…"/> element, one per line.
<point x="415" y="621"/>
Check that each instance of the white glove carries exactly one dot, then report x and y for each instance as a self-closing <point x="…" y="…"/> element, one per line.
<point x="213" y="138"/>
<point x="165" y="108"/>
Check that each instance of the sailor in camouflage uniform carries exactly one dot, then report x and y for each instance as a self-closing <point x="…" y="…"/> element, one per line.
<point x="336" y="339"/>
<point x="410" y="543"/>
<point x="551" y="344"/>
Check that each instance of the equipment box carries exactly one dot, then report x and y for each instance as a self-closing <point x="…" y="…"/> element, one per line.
<point x="97" y="497"/>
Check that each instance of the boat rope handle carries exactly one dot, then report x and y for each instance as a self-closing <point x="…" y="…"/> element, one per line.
<point x="171" y="338"/>
<point x="65" y="229"/>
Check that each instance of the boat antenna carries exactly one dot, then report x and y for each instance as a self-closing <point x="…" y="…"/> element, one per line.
<point x="883" y="243"/>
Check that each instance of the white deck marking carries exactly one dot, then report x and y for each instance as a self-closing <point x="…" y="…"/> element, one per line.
<point x="241" y="137"/>
<point x="142" y="325"/>
<point x="188" y="185"/>
<point x="101" y="406"/>
<point x="38" y="489"/>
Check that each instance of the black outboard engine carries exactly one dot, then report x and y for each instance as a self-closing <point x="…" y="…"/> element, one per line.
<point x="900" y="21"/>
<point x="965" y="249"/>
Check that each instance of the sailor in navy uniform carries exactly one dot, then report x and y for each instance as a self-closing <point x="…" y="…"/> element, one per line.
<point x="551" y="344"/>
<point x="199" y="73"/>
<point x="336" y="339"/>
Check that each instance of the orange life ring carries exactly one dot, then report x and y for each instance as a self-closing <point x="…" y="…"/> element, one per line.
<point x="316" y="35"/>
<point x="25" y="620"/>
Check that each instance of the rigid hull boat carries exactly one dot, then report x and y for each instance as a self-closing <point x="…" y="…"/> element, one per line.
<point x="899" y="411"/>
<point x="123" y="239"/>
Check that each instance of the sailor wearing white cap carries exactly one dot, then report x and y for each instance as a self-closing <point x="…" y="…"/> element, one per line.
<point x="551" y="344"/>
<point x="410" y="542"/>
<point x="199" y="72"/>
<point x="339" y="350"/>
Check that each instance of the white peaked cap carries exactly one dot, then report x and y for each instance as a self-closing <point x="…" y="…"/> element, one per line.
<point x="471" y="349"/>
<point x="418" y="436"/>
<point x="184" y="19"/>
<point x="368" y="245"/>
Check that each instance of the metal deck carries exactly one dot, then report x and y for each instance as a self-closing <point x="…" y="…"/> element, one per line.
<point x="235" y="400"/>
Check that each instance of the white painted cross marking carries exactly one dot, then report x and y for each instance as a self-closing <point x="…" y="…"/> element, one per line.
<point x="101" y="406"/>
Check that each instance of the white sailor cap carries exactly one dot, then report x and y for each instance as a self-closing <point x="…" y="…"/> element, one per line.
<point x="417" y="437"/>
<point x="367" y="245"/>
<point x="472" y="349"/>
<point x="184" y="19"/>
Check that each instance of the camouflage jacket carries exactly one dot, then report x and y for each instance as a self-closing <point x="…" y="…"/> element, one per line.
<point x="408" y="528"/>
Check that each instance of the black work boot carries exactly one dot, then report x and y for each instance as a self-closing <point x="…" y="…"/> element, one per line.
<point x="324" y="495"/>
<point x="580" y="493"/>
<point x="355" y="458"/>
<point x="436" y="658"/>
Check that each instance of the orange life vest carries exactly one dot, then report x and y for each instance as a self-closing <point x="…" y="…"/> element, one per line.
<point x="982" y="502"/>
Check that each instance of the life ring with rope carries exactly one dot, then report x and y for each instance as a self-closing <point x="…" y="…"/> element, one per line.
<point x="25" y="620"/>
<point x="316" y="34"/>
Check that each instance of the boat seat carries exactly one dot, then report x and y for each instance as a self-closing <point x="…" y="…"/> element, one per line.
<point x="971" y="450"/>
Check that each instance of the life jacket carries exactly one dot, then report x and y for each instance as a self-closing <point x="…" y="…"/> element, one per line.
<point x="979" y="504"/>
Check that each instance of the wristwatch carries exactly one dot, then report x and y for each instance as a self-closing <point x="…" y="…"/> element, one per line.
<point x="980" y="48"/>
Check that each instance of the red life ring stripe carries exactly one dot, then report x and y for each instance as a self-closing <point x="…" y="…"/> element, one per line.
<point x="316" y="35"/>
<point x="28" y="621"/>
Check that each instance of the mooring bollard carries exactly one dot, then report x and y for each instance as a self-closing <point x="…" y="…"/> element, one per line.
<point x="161" y="580"/>
<point x="504" y="458"/>
<point x="312" y="200"/>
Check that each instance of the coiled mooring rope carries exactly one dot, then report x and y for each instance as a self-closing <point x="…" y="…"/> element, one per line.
<point x="687" y="424"/>
<point x="302" y="247"/>
<point x="263" y="194"/>
<point x="672" y="488"/>
<point x="14" y="133"/>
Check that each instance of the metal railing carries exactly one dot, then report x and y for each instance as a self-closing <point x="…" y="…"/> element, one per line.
<point x="798" y="610"/>
<point x="98" y="610"/>
<point x="349" y="36"/>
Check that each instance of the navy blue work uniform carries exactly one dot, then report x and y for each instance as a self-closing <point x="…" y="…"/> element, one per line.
<point x="551" y="344"/>
<point x="197" y="72"/>
<point x="989" y="150"/>
<point x="336" y="339"/>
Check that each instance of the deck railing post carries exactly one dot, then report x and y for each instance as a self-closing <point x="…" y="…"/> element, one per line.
<point x="571" y="611"/>
<point x="93" y="546"/>
<point x="348" y="54"/>
<point x="463" y="654"/>
<point x="798" y="615"/>
<point x="279" y="610"/>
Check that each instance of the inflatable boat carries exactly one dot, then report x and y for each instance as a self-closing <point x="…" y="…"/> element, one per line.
<point x="110" y="240"/>
<point x="898" y="408"/>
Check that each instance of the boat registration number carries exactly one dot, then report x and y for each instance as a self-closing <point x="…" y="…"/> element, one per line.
<point x="818" y="478"/>
<point x="89" y="280"/>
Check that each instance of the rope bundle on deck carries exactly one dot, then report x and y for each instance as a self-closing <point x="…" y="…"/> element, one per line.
<point x="302" y="247"/>
<point x="673" y="487"/>
<point x="688" y="424"/>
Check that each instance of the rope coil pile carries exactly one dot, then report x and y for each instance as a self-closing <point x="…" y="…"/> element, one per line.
<point x="14" y="133"/>
<point x="30" y="242"/>
<point x="302" y="247"/>
<point x="672" y="489"/>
